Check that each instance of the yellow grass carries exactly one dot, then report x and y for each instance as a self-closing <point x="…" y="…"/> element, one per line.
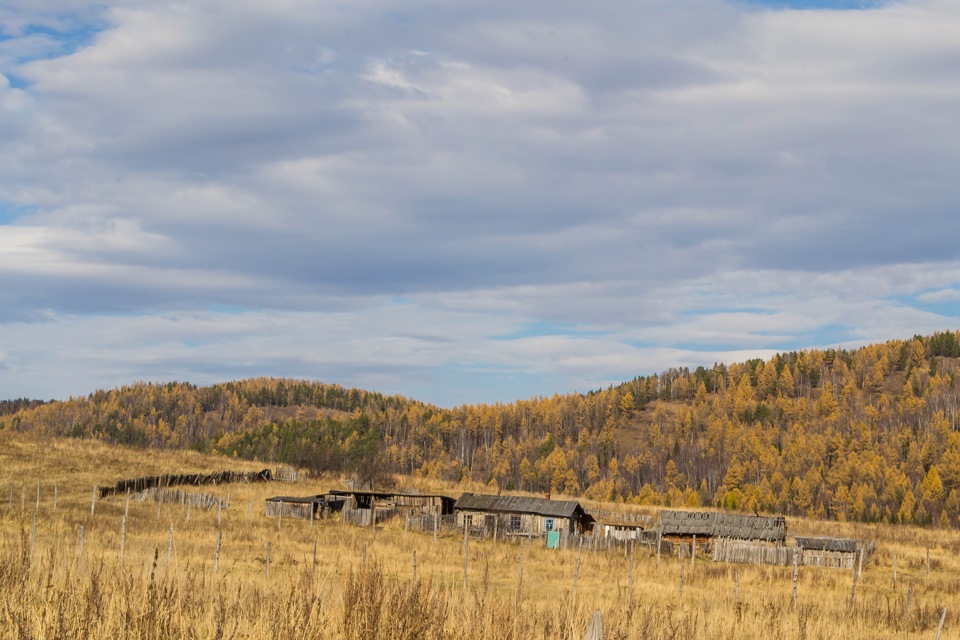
<point x="47" y="590"/>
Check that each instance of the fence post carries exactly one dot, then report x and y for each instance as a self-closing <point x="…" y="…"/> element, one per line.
<point x="414" y="567"/>
<point x="37" y="510"/>
<point x="681" y="576"/>
<point x="793" y="602"/>
<point x="520" y="572"/>
<point x="658" y="547"/>
<point x="576" y="573"/>
<point x="928" y="562"/>
<point x="216" y="552"/>
<point x="54" y="497"/>
<point x="80" y="544"/>
<point x="33" y="537"/>
<point x="169" y="548"/>
<point x="736" y="587"/>
<point x="313" y="564"/>
<point x="123" y="537"/>
<point x="93" y="501"/>
<point x="436" y="523"/>
<point x="693" y="553"/>
<point x="894" y="569"/>
<point x="630" y="575"/>
<point x="267" y="566"/>
<point x="466" y="538"/>
<point x="943" y="616"/>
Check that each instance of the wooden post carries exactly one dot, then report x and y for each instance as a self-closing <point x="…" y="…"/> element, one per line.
<point x="219" y="513"/>
<point x="93" y="501"/>
<point x="80" y="544"/>
<point x="681" y="577"/>
<point x="279" y="514"/>
<point x="406" y="525"/>
<point x="793" y="602"/>
<point x="23" y="497"/>
<point x="188" y="512"/>
<point x="37" y="510"/>
<point x="630" y="575"/>
<point x="363" y="562"/>
<point x="414" y="567"/>
<point x="267" y="566"/>
<point x="909" y="595"/>
<point x="54" y="497"/>
<point x="33" y="537"/>
<point x="860" y="564"/>
<point x="250" y="511"/>
<point x="373" y="516"/>
<point x="928" y="562"/>
<point x="436" y="525"/>
<point x="313" y="564"/>
<point x="311" y="515"/>
<point x="894" y="569"/>
<point x="736" y="587"/>
<point x="595" y="630"/>
<point x="520" y="573"/>
<point x="576" y="573"/>
<point x="853" y="591"/>
<point x="466" y="538"/>
<point x="693" y="553"/>
<point x="216" y="552"/>
<point x="658" y="546"/>
<point x="170" y="548"/>
<point x="123" y="537"/>
<point x="943" y="616"/>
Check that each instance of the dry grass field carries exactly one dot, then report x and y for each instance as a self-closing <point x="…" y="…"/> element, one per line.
<point x="359" y="583"/>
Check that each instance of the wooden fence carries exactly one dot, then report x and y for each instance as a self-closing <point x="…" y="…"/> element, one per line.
<point x="750" y="552"/>
<point x="364" y="517"/>
<point x="136" y="485"/>
<point x="176" y="496"/>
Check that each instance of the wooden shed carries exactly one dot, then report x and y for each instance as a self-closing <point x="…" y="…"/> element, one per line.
<point x="842" y="553"/>
<point x="403" y="501"/>
<point x="517" y="515"/>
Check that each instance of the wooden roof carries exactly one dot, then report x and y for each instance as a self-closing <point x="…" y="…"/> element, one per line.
<point x="723" y="525"/>
<point x="520" y="504"/>
<point x="844" y="545"/>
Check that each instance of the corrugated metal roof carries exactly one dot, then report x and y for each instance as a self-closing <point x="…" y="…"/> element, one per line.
<point x="519" y="504"/>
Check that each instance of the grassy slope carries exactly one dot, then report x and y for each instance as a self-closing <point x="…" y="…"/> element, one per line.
<point x="54" y="594"/>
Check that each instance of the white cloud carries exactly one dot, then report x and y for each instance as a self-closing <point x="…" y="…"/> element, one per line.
<point x="621" y="189"/>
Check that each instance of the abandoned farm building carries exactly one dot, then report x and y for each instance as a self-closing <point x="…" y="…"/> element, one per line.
<point x="841" y="553"/>
<point x="411" y="503"/>
<point x="517" y="515"/>
<point x="706" y="525"/>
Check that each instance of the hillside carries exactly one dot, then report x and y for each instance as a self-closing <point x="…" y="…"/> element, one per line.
<point x="869" y="434"/>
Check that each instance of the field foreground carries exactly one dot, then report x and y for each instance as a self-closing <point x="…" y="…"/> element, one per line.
<point x="288" y="579"/>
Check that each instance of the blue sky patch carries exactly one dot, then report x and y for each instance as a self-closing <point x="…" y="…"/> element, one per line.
<point x="11" y="211"/>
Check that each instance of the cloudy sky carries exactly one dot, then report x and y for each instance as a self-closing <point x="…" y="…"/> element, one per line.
<point x="468" y="201"/>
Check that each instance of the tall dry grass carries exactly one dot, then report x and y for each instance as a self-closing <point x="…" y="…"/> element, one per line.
<point x="361" y="583"/>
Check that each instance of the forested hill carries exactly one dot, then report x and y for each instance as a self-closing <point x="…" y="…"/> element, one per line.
<point x="868" y="434"/>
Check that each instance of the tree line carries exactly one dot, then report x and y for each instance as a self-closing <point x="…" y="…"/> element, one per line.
<point x="870" y="434"/>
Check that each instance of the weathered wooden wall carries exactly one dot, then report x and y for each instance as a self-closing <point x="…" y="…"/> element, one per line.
<point x="136" y="485"/>
<point x="749" y="552"/>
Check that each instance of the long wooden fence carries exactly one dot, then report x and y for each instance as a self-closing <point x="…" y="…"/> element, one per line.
<point x="752" y="552"/>
<point x="136" y="485"/>
<point x="176" y="496"/>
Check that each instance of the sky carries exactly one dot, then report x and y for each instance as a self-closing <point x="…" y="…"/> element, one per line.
<point x="468" y="202"/>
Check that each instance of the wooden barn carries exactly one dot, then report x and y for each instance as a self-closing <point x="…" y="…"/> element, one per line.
<point x="366" y="508"/>
<point x="403" y="501"/>
<point x="504" y="516"/>
<point x="841" y="553"/>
